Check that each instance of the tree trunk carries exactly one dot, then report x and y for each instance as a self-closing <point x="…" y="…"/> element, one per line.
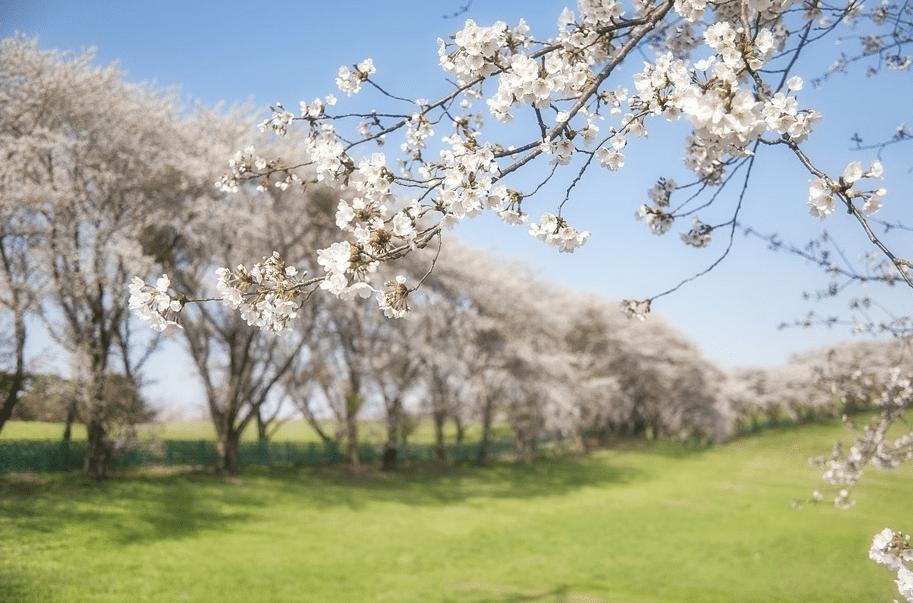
<point x="98" y="449"/>
<point x="353" y="403"/>
<point x="656" y="428"/>
<point x="229" y="442"/>
<point x="71" y="418"/>
<point x="389" y="458"/>
<point x="440" y="452"/>
<point x="581" y="442"/>
<point x="519" y="443"/>
<point x="532" y="446"/>
<point x="9" y="400"/>
<point x="17" y="381"/>
<point x="262" y="428"/>
<point x="484" y="445"/>
<point x="460" y="428"/>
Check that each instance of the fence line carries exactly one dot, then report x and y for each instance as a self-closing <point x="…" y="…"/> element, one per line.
<point x="18" y="456"/>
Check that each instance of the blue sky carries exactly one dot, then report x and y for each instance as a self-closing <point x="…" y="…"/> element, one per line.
<point x="236" y="52"/>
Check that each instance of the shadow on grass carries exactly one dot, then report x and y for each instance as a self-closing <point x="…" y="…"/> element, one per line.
<point x="129" y="510"/>
<point x="663" y="448"/>
<point x="147" y="506"/>
<point x="485" y="593"/>
<point x="789" y="427"/>
<point x="427" y="484"/>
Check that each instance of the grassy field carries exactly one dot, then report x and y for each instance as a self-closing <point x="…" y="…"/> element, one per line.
<point x="290" y="431"/>
<point x="648" y="522"/>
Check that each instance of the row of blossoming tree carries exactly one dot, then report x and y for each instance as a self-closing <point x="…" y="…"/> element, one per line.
<point x="549" y="362"/>
<point x="105" y="180"/>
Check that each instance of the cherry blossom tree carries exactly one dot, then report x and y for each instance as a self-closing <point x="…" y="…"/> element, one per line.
<point x="242" y="368"/>
<point x="445" y="381"/>
<point x="640" y="378"/>
<point x="20" y="283"/>
<point x="769" y="396"/>
<point x="18" y="298"/>
<point x="395" y="372"/>
<point x="94" y="165"/>
<point x="343" y="352"/>
<point x="495" y="348"/>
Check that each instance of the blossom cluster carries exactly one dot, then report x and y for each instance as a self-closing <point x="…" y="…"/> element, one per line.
<point x="154" y="304"/>
<point x="480" y="51"/>
<point x="712" y="94"/>
<point x="894" y="551"/>
<point x="350" y="81"/>
<point x="699" y="235"/>
<point x="555" y="231"/>
<point x="467" y="172"/>
<point x="247" y="164"/>
<point x="346" y="266"/>
<point x="656" y="216"/>
<point x="636" y="308"/>
<point x="279" y="121"/>
<point x="690" y="10"/>
<point x="822" y="191"/>
<point x="418" y="130"/>
<point x="393" y="301"/>
<point x="267" y="295"/>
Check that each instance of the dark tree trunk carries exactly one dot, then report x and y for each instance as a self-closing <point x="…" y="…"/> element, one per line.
<point x="389" y="459"/>
<point x="460" y="429"/>
<point x="532" y="446"/>
<point x="440" y="452"/>
<point x="9" y="400"/>
<point x="17" y="380"/>
<point x="656" y="430"/>
<point x="525" y="440"/>
<point x="485" y="444"/>
<point x="582" y="443"/>
<point x="353" y="402"/>
<point x="521" y="449"/>
<point x="98" y="450"/>
<point x="229" y="442"/>
<point x="262" y="428"/>
<point x="68" y="425"/>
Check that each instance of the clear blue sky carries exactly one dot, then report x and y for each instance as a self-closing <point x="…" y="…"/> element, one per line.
<point x="242" y="51"/>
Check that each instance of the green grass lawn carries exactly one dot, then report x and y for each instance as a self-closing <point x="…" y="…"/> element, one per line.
<point x="648" y="522"/>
